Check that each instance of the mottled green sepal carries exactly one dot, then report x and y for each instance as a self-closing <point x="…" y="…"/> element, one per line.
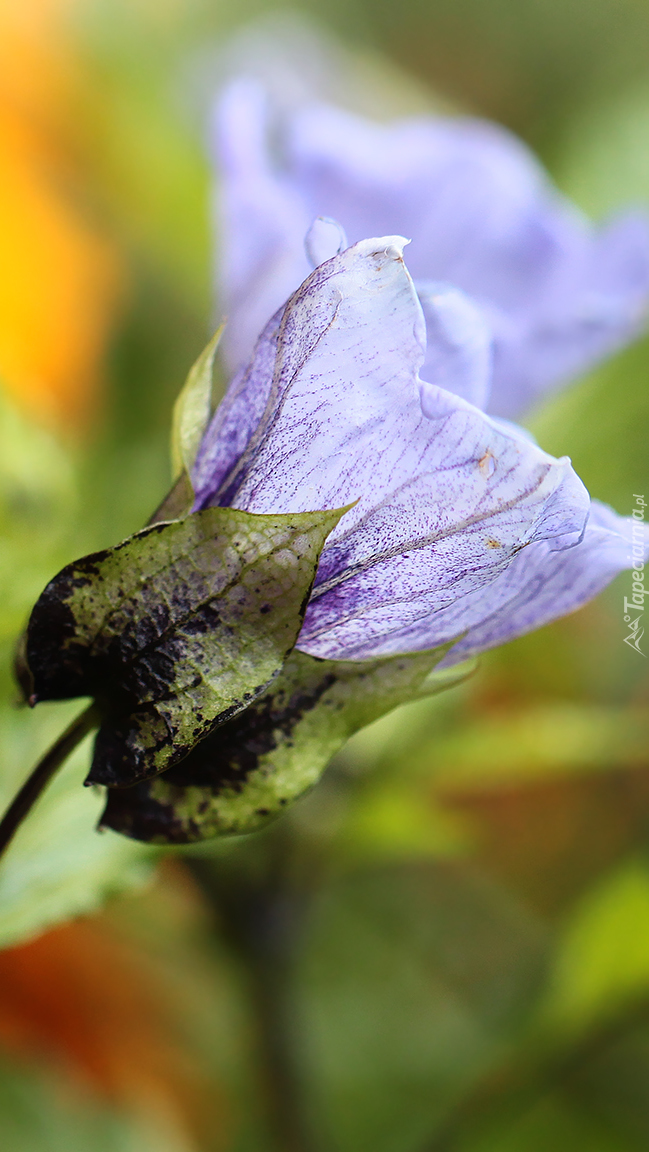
<point x="175" y="630"/>
<point x="255" y="765"/>
<point x="193" y="409"/>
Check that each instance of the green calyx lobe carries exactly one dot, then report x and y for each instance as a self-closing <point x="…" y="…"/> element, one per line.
<point x="175" y="631"/>
<point x="191" y="416"/>
<point x="193" y="409"/>
<point x="259" y="762"/>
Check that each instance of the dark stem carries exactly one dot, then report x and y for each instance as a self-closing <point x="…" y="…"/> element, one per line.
<point x="269" y="989"/>
<point x="43" y="772"/>
<point x="260" y="919"/>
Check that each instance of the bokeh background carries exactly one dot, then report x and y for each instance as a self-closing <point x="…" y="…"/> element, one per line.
<point x="445" y="947"/>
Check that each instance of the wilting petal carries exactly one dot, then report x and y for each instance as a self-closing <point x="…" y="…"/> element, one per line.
<point x="542" y="585"/>
<point x="445" y="496"/>
<point x="557" y="294"/>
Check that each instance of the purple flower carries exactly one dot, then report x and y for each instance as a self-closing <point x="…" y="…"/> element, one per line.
<point x="553" y="293"/>
<point x="461" y="526"/>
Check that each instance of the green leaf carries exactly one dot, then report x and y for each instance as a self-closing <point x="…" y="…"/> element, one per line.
<point x="602" y="960"/>
<point x="57" y="866"/>
<point x="175" y="630"/>
<point x="259" y="762"/>
<point x="38" y="502"/>
<point x="42" y="1111"/>
<point x="193" y="409"/>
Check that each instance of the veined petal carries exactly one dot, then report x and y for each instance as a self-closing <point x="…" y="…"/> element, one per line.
<point x="542" y="585"/>
<point x="538" y="586"/>
<point x="445" y="497"/>
<point x="349" y="345"/>
<point x="237" y="416"/>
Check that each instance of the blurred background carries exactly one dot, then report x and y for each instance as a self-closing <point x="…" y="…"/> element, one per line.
<point x="445" y="947"/>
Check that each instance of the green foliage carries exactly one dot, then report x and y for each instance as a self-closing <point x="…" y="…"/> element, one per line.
<point x="38" y="500"/>
<point x="414" y="981"/>
<point x="38" y="1116"/>
<point x="252" y="767"/>
<point x="602" y="960"/>
<point x="57" y="866"/>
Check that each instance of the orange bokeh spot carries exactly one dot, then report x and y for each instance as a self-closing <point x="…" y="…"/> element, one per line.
<point x="60" y="278"/>
<point x="86" y="1002"/>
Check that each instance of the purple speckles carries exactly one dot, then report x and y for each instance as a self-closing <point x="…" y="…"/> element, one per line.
<point x="459" y="525"/>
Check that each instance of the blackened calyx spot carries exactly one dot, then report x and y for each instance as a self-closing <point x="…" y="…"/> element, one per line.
<point x="223" y="760"/>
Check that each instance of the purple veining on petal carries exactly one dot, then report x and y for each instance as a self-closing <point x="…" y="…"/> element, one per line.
<point x="237" y="417"/>
<point x="445" y="497"/>
<point x="538" y="586"/>
<point x="542" y="585"/>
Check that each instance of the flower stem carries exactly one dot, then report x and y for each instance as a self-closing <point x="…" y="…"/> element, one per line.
<point x="259" y="919"/>
<point x="43" y="772"/>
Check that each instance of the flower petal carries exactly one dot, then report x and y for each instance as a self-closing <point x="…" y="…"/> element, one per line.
<point x="483" y="216"/>
<point x="237" y="416"/>
<point x="557" y="294"/>
<point x="262" y="222"/>
<point x="596" y="303"/>
<point x="542" y="585"/>
<point x="325" y="238"/>
<point x="459" y="346"/>
<point x="445" y="496"/>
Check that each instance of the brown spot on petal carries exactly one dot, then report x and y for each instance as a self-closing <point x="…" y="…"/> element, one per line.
<point x="487" y="464"/>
